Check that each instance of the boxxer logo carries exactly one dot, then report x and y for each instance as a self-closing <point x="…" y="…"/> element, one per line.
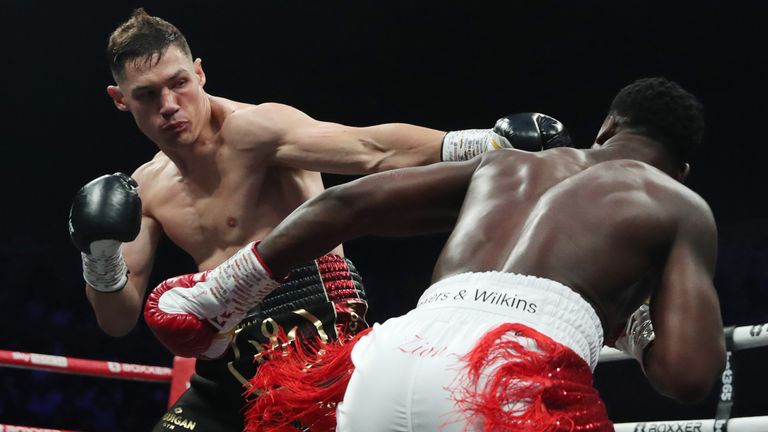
<point x="670" y="427"/>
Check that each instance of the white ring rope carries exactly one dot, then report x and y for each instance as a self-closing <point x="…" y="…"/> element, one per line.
<point x="743" y="338"/>
<point x="737" y="424"/>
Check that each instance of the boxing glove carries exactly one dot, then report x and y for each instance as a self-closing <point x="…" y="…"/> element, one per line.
<point x="105" y="213"/>
<point x="523" y="131"/>
<point x="637" y="335"/>
<point x="194" y="315"/>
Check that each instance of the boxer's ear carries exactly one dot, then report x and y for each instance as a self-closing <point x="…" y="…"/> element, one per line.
<point x="607" y="130"/>
<point x="685" y="169"/>
<point x="117" y="97"/>
<point x="199" y="71"/>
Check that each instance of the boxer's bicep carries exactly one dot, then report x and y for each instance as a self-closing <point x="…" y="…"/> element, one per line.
<point x="139" y="254"/>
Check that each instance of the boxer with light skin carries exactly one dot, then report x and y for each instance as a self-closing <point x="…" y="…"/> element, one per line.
<point x="226" y="173"/>
<point x="548" y="253"/>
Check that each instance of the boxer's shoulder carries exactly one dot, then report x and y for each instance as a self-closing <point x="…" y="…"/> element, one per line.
<point x="155" y="178"/>
<point x="154" y="171"/>
<point x="248" y="126"/>
<point x="265" y="126"/>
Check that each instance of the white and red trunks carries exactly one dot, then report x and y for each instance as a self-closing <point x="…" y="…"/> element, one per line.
<point x="481" y="352"/>
<point x="407" y="369"/>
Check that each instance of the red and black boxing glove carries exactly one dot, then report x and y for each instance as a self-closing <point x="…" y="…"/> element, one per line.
<point x="194" y="315"/>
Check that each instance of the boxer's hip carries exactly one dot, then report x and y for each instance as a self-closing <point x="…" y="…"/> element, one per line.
<point x="485" y="300"/>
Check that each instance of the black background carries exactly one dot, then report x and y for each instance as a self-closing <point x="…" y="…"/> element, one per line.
<point x="446" y="65"/>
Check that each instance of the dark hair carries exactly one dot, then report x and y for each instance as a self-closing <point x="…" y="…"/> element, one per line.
<point x="142" y="39"/>
<point x="662" y="110"/>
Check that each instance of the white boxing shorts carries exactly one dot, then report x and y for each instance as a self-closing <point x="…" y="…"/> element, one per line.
<point x="406" y="368"/>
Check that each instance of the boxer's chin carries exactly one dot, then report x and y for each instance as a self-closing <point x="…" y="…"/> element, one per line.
<point x="181" y="138"/>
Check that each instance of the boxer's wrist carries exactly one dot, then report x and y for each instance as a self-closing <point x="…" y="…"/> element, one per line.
<point x="219" y="345"/>
<point x="104" y="269"/>
<point x="638" y="334"/>
<point x="227" y="292"/>
<point x="466" y="144"/>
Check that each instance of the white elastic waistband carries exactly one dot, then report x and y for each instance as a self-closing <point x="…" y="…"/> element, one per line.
<point x="542" y="304"/>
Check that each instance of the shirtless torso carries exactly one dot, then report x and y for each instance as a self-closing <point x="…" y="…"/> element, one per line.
<point x="604" y="222"/>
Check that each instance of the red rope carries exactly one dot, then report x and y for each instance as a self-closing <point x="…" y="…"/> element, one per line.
<point x="14" y="428"/>
<point x="79" y="366"/>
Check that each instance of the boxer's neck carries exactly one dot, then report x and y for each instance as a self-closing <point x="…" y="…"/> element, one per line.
<point x="635" y="147"/>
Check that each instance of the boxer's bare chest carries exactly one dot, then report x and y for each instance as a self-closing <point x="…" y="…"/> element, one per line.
<point x="238" y="202"/>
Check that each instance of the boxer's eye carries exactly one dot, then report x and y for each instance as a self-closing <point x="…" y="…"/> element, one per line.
<point x="145" y="95"/>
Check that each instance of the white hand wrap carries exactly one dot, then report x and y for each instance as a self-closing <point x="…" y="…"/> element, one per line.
<point x="638" y="334"/>
<point x="228" y="292"/>
<point x="104" y="268"/>
<point x="466" y="144"/>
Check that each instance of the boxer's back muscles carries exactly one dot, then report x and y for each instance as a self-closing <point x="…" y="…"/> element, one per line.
<point x="615" y="232"/>
<point x="600" y="228"/>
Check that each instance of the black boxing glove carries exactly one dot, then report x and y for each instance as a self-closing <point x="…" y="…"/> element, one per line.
<point x="105" y="213"/>
<point x="523" y="131"/>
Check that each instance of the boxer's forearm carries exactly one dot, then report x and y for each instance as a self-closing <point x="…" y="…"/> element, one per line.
<point x="684" y="377"/>
<point x="116" y="313"/>
<point x="400" y="202"/>
<point x="399" y="145"/>
<point x="312" y="230"/>
<point x="339" y="149"/>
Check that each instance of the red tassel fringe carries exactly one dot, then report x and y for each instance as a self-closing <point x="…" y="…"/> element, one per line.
<point x="302" y="384"/>
<point x="508" y="387"/>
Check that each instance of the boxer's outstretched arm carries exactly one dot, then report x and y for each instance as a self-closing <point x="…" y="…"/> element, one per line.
<point x="688" y="354"/>
<point x="296" y="139"/>
<point x="400" y="202"/>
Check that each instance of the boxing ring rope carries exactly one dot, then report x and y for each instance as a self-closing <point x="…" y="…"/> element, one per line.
<point x="14" y="428"/>
<point x="743" y="337"/>
<point x="737" y="424"/>
<point x="78" y="366"/>
<point x="737" y="338"/>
